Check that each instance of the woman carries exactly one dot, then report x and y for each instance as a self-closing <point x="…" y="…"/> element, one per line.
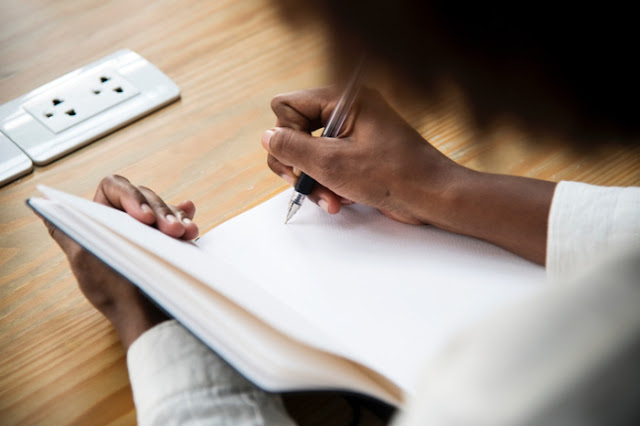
<point x="569" y="355"/>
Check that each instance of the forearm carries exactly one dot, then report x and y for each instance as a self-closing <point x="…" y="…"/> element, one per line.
<point x="509" y="211"/>
<point x="383" y="162"/>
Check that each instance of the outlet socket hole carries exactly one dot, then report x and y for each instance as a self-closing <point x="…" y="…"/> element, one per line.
<point x="56" y="101"/>
<point x="96" y="92"/>
<point x="104" y="79"/>
<point x="48" y="114"/>
<point x="118" y="89"/>
<point x="71" y="112"/>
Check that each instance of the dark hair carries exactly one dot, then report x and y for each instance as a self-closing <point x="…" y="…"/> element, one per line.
<point x="556" y="66"/>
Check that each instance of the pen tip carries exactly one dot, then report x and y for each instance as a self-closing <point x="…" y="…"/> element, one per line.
<point x="293" y="208"/>
<point x="294" y="205"/>
<point x="290" y="213"/>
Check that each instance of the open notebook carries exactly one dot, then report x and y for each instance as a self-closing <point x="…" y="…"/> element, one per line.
<point x="353" y="301"/>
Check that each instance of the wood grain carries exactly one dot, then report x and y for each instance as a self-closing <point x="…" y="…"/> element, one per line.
<point x="61" y="361"/>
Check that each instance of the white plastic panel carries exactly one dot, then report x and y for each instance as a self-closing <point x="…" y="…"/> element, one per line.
<point x="13" y="162"/>
<point x="80" y="107"/>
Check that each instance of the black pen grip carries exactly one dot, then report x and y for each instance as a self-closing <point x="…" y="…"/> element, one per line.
<point x="305" y="184"/>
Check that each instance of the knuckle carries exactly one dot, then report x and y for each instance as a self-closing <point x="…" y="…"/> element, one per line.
<point x="280" y="101"/>
<point x="374" y="96"/>
<point x="144" y="193"/>
<point x="112" y="179"/>
<point x="369" y="92"/>
<point x="107" y="180"/>
<point x="273" y="163"/>
<point x="159" y="205"/>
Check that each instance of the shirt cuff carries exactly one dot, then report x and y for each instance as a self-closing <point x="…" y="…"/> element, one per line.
<point x="586" y="221"/>
<point x="175" y="378"/>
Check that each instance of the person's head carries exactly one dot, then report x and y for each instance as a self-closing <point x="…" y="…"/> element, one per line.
<point x="557" y="67"/>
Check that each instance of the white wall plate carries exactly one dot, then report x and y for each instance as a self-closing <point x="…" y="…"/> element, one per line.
<point x="85" y="104"/>
<point x="13" y="162"/>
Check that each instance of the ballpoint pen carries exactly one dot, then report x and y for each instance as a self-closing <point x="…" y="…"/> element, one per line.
<point x="305" y="183"/>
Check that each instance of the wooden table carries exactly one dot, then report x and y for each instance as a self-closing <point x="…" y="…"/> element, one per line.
<point x="61" y="362"/>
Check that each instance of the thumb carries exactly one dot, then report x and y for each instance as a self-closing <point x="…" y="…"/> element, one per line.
<point x="299" y="149"/>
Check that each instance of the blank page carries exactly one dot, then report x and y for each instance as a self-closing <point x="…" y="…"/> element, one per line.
<point x="390" y="293"/>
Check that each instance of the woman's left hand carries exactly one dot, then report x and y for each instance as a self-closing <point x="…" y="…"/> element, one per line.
<point x="122" y="303"/>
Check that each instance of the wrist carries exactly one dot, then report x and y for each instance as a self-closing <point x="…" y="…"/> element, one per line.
<point x="458" y="202"/>
<point x="134" y="318"/>
<point x="436" y="195"/>
<point x="508" y="211"/>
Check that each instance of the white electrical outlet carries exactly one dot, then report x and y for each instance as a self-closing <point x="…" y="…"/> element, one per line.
<point x="84" y="105"/>
<point x="81" y="98"/>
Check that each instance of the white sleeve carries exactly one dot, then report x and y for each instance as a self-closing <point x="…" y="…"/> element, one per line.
<point x="587" y="221"/>
<point x="570" y="355"/>
<point x="176" y="379"/>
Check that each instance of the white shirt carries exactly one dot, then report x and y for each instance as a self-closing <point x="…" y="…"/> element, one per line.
<point x="564" y="357"/>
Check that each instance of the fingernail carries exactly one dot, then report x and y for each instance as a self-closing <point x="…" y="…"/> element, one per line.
<point x="266" y="138"/>
<point x="297" y="171"/>
<point x="324" y="204"/>
<point x="171" y="218"/>
<point x="145" y="208"/>
<point x="186" y="220"/>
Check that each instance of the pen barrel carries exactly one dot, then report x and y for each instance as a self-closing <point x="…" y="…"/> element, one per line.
<point x="305" y="184"/>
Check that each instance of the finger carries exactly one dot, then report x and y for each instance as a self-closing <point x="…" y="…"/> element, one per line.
<point x="116" y="191"/>
<point x="328" y="200"/>
<point x="321" y="195"/>
<point x="185" y="212"/>
<point x="314" y="156"/>
<point x="188" y="208"/>
<point x="304" y="110"/>
<point x="285" y="172"/>
<point x="166" y="221"/>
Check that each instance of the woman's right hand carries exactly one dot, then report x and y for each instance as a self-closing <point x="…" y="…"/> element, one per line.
<point x="378" y="159"/>
<point x="381" y="161"/>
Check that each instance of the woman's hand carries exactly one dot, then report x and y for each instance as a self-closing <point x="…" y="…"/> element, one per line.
<point x="380" y="161"/>
<point x="144" y="205"/>
<point x="130" y="312"/>
<point x="377" y="160"/>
